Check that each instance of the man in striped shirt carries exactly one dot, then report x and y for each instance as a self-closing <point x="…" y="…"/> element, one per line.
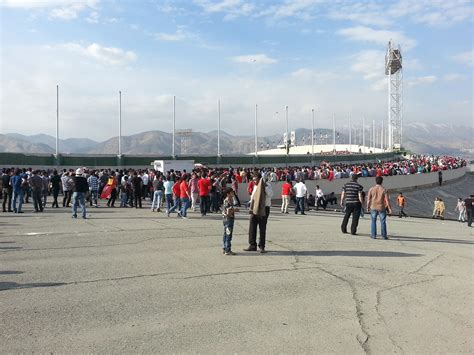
<point x="93" y="182"/>
<point x="352" y="198"/>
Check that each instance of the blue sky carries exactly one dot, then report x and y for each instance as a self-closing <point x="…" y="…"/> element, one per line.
<point x="302" y="53"/>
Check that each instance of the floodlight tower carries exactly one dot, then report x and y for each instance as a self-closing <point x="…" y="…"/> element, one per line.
<point x="394" y="71"/>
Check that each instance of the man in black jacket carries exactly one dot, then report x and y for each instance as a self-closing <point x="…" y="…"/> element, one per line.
<point x="79" y="193"/>
<point x="7" y="191"/>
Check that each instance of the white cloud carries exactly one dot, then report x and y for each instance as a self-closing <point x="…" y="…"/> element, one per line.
<point x="367" y="34"/>
<point x="466" y="58"/>
<point x="60" y="9"/>
<point x="433" y="12"/>
<point x="93" y="17"/>
<point x="254" y="59"/>
<point x="179" y="35"/>
<point x="308" y="74"/>
<point x="422" y="80"/>
<point x="104" y="55"/>
<point x="365" y="13"/>
<point x="453" y="77"/>
<point x="231" y="8"/>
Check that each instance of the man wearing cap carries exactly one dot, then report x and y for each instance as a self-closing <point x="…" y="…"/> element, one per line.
<point x="79" y="193"/>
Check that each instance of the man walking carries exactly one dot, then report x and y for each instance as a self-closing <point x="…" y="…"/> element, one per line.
<point x="401" y="202"/>
<point x="351" y="199"/>
<point x="300" y="192"/>
<point x="378" y="203"/>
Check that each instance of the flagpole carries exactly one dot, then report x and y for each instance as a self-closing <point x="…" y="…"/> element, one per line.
<point x="350" y="135"/>
<point x="334" y="132"/>
<point x="120" y="125"/>
<point x="256" y="137"/>
<point x="218" y="128"/>
<point x="312" y="131"/>
<point x="174" y="124"/>
<point x="363" y="134"/>
<point x="57" y="121"/>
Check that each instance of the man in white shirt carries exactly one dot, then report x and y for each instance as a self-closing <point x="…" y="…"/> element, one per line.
<point x="300" y="192"/>
<point x="320" y="201"/>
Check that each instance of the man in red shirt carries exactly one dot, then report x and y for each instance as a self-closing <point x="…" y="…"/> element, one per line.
<point x="286" y="190"/>
<point x="204" y="186"/>
<point x="184" y="195"/>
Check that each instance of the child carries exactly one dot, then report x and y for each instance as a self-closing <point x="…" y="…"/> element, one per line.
<point x="228" y="211"/>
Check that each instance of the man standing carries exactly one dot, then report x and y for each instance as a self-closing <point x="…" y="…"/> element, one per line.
<point x="93" y="182"/>
<point x="193" y="186"/>
<point x="260" y="202"/>
<point x="300" y="192"/>
<point x="351" y="197"/>
<point x="440" y="177"/>
<point x="204" y="186"/>
<point x="16" y="182"/>
<point x="184" y="195"/>
<point x="66" y="182"/>
<point x="79" y="190"/>
<point x="378" y="203"/>
<point x="401" y="202"/>
<point x="36" y="184"/>
<point x="7" y="191"/>
<point x="137" y="185"/>
<point x="469" y="202"/>
<point x="286" y="190"/>
<point x="56" y="186"/>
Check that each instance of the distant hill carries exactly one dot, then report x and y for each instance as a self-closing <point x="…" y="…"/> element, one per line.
<point x="424" y="138"/>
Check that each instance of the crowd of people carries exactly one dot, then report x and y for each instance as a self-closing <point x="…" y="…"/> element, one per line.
<point x="216" y="191"/>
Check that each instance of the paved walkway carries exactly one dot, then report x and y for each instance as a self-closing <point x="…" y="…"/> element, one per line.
<point x="127" y="281"/>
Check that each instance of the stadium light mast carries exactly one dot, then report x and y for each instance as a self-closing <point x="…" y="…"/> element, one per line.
<point x="394" y="72"/>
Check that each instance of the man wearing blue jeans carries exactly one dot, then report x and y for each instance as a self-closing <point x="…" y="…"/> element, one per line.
<point x="79" y="193"/>
<point x="16" y="182"/>
<point x="378" y="203"/>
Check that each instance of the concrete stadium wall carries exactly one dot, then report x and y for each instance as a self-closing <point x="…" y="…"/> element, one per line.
<point x="143" y="161"/>
<point x="392" y="183"/>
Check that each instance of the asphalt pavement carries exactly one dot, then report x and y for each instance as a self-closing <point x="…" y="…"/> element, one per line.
<point x="133" y="281"/>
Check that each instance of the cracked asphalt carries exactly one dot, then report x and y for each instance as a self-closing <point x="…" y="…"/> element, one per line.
<point x="132" y="281"/>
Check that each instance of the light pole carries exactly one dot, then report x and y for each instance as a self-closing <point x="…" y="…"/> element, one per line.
<point x="288" y="140"/>
<point x="363" y="134"/>
<point x="57" y="121"/>
<point x="174" y="125"/>
<point x="218" y="128"/>
<point x="256" y="137"/>
<point x="120" y="125"/>
<point x="312" y="131"/>
<point x="350" y="135"/>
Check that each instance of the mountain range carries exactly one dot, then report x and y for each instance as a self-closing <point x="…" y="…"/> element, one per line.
<point x="423" y="138"/>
